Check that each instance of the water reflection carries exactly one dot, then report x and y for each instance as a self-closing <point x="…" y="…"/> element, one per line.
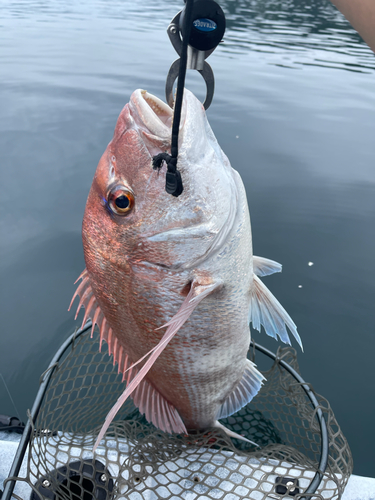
<point x="306" y="32"/>
<point x="300" y="32"/>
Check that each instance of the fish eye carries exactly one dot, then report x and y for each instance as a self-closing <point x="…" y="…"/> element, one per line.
<point x="121" y="200"/>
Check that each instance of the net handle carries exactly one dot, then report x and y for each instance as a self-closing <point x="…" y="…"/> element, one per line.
<point x="44" y="381"/>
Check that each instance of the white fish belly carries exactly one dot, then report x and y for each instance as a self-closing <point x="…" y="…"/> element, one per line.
<point x="207" y="358"/>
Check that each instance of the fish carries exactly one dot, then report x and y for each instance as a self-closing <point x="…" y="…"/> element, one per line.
<point x="172" y="282"/>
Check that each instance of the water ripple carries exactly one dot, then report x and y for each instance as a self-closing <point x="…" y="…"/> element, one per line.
<point x="307" y="32"/>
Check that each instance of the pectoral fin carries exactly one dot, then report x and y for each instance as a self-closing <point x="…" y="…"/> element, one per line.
<point x="199" y="289"/>
<point x="267" y="311"/>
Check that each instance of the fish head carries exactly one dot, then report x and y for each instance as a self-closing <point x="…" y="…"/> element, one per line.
<point x="130" y="219"/>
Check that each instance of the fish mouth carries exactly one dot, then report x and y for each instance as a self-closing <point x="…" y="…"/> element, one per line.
<point x="151" y="113"/>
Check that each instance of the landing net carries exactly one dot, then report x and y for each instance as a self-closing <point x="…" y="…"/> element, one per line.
<point x="136" y="461"/>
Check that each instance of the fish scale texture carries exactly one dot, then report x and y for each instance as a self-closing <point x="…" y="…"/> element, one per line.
<point x="138" y="266"/>
<point x="149" y="464"/>
<point x="170" y="280"/>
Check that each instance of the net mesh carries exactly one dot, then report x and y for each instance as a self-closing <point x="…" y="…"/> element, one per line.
<point x="145" y="463"/>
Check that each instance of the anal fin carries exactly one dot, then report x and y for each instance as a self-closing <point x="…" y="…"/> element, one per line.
<point x="244" y="392"/>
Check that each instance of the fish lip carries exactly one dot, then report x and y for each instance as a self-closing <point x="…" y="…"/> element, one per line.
<point x="152" y="113"/>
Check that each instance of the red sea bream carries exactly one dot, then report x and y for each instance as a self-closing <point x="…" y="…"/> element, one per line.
<point x="172" y="281"/>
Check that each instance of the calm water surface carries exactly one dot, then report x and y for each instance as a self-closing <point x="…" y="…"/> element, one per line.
<point x="294" y="111"/>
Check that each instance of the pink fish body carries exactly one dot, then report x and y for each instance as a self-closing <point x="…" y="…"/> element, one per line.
<point x="172" y="281"/>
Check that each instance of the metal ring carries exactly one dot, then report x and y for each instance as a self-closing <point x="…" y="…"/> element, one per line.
<point x="208" y="77"/>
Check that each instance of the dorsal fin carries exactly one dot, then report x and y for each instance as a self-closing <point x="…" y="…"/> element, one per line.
<point x="148" y="400"/>
<point x="92" y="310"/>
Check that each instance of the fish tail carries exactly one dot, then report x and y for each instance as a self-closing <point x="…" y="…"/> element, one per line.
<point x="232" y="434"/>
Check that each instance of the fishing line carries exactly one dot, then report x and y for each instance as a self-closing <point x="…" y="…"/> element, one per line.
<point x="10" y="396"/>
<point x="173" y="180"/>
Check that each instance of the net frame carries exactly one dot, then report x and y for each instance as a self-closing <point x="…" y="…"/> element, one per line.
<point x="299" y="436"/>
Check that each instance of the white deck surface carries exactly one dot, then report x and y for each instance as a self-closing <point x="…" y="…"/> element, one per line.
<point x="358" y="488"/>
